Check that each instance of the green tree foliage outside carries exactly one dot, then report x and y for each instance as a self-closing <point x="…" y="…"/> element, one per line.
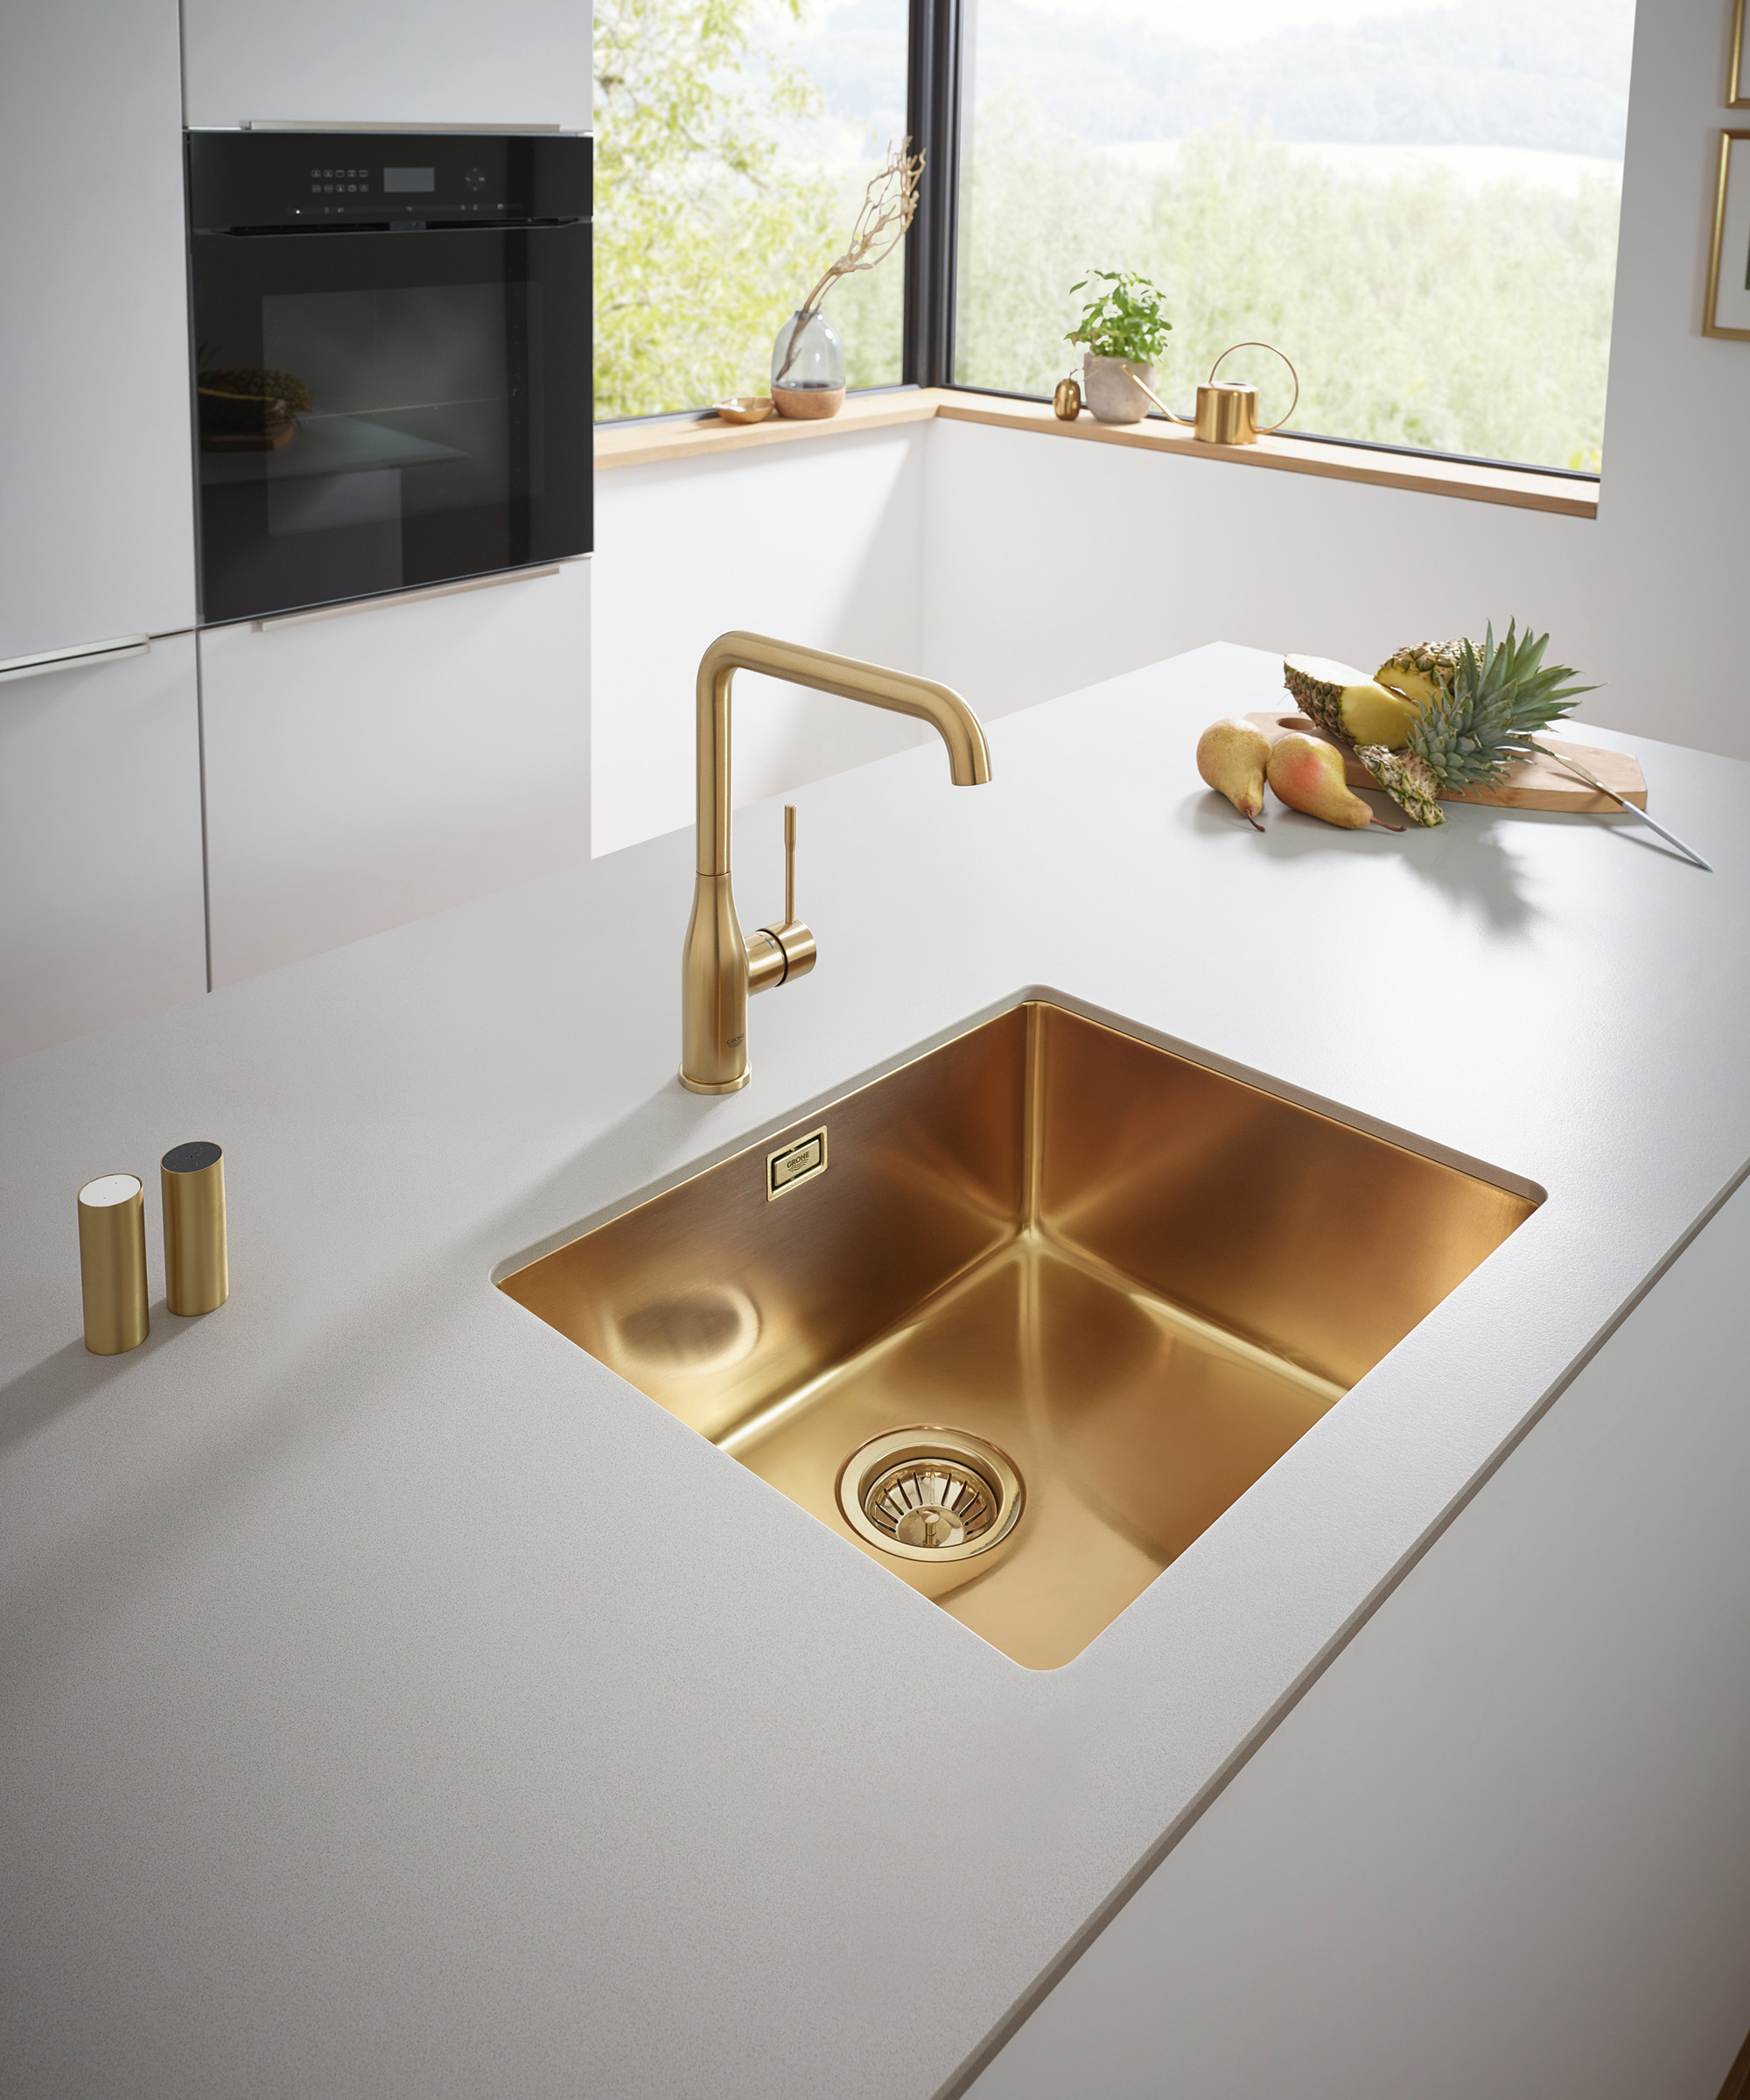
<point x="705" y="240"/>
<point x="1419" y="310"/>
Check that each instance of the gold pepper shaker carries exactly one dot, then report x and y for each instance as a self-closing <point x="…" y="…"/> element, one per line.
<point x="197" y="1275"/>
<point x="112" y="1263"/>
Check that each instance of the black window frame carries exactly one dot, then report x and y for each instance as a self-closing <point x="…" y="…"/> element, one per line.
<point x="934" y="96"/>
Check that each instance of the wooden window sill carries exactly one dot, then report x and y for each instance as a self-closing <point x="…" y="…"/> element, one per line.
<point x="1523" y="488"/>
<point x="643" y="444"/>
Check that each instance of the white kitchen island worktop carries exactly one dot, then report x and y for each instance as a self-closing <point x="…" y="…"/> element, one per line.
<point x="394" y="1703"/>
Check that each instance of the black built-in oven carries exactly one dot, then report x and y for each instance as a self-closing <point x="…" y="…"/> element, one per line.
<point x="392" y="361"/>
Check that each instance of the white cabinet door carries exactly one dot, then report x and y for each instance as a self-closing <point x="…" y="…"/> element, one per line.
<point x="97" y="528"/>
<point x="1502" y="1847"/>
<point x="393" y="62"/>
<point x="100" y="909"/>
<point x="370" y="768"/>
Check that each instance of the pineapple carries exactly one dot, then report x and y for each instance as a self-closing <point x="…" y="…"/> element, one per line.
<point x="1422" y="671"/>
<point x="1347" y="703"/>
<point x="1410" y="781"/>
<point x="1373" y="714"/>
<point x="1470" y="732"/>
<point x="1317" y="685"/>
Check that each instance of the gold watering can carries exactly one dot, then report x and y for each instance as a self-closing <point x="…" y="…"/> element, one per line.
<point x="1227" y="409"/>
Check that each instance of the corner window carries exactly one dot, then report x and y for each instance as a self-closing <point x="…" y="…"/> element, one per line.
<point x="1416" y="201"/>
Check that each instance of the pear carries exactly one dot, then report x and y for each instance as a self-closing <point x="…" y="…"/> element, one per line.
<point x="1308" y="775"/>
<point x="1232" y="755"/>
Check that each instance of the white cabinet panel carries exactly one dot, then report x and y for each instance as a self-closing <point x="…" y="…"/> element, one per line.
<point x="394" y="62"/>
<point x="100" y="909"/>
<point x="1502" y="1847"/>
<point x="96" y="531"/>
<point x="368" y="769"/>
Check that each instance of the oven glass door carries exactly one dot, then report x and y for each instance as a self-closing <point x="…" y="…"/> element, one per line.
<point x="378" y="410"/>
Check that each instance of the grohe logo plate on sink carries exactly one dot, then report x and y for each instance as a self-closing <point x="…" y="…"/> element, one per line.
<point x="792" y="1165"/>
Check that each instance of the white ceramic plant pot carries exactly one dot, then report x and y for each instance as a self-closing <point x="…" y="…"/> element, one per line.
<point x="1109" y="392"/>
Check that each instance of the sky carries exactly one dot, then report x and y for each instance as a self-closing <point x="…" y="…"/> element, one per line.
<point x="1546" y="75"/>
<point x="1213" y="25"/>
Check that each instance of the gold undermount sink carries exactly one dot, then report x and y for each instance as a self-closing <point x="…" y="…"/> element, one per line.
<point x="1021" y="1319"/>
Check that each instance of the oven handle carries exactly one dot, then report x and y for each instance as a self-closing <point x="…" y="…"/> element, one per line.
<point x="269" y="622"/>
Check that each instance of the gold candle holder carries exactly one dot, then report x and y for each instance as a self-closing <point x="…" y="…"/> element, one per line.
<point x="197" y="1275"/>
<point x="112" y="1263"/>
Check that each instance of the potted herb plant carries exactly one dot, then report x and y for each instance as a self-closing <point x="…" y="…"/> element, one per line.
<point x="1126" y="324"/>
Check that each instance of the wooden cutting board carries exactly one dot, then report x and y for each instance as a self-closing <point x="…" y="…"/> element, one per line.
<point x="1537" y="783"/>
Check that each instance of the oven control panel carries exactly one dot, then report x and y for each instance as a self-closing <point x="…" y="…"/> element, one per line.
<point x="286" y="181"/>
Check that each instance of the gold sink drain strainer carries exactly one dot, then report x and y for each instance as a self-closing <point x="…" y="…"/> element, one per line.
<point x="932" y="1495"/>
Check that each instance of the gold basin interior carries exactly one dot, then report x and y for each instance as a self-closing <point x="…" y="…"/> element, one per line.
<point x="1139" y="1279"/>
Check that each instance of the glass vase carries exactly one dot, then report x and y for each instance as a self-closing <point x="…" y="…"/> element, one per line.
<point x="808" y="366"/>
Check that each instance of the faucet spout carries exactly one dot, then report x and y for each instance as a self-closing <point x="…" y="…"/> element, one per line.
<point x="718" y="966"/>
<point x="969" y="756"/>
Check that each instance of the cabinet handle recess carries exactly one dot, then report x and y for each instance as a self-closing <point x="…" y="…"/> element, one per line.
<point x="89" y="652"/>
<point x="400" y="598"/>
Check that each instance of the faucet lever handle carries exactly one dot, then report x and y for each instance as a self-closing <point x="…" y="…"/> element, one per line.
<point x="776" y="954"/>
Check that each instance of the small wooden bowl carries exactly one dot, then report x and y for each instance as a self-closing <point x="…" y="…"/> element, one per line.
<point x="745" y="407"/>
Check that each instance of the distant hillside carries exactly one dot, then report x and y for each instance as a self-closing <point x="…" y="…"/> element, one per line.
<point x="1546" y="74"/>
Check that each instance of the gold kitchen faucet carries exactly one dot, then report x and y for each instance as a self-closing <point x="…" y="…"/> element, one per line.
<point x="718" y="966"/>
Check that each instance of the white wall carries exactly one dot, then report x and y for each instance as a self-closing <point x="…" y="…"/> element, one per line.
<point x="1669" y="578"/>
<point x="395" y="760"/>
<point x="1049" y="564"/>
<point x="101" y="913"/>
<point x="1052" y="564"/>
<point x="819" y="543"/>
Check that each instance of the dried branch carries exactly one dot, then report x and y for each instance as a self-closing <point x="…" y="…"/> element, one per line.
<point x="889" y="203"/>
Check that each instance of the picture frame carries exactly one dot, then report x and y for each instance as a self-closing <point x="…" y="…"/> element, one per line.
<point x="1738" y="80"/>
<point x="1728" y="311"/>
